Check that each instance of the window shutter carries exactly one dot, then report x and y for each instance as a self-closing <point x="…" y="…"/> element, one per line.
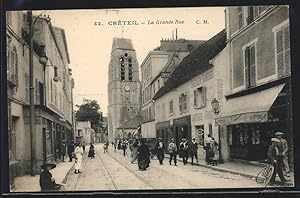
<point x="247" y="62"/>
<point x="250" y="15"/>
<point x="279" y="52"/>
<point x="203" y="96"/>
<point x="252" y="66"/>
<point x="195" y="98"/>
<point x="180" y="104"/>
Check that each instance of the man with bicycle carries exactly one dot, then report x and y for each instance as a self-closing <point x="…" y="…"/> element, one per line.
<point x="276" y="159"/>
<point x="283" y="149"/>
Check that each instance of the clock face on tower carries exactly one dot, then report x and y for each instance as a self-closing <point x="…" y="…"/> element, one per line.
<point x="127" y="88"/>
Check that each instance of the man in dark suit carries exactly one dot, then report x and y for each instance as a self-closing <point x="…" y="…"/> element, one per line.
<point x="194" y="150"/>
<point x="160" y="148"/>
<point x="70" y="150"/>
<point x="276" y="159"/>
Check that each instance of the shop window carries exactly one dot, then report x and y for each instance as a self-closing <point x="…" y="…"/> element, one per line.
<point x="199" y="97"/>
<point x="250" y="65"/>
<point x="255" y="136"/>
<point x="283" y="55"/>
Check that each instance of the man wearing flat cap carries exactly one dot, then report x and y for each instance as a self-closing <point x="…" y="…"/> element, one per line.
<point x="47" y="182"/>
<point x="283" y="149"/>
<point x="276" y="159"/>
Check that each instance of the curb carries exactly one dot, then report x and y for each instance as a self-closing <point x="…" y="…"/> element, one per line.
<point x="65" y="178"/>
<point x="222" y="169"/>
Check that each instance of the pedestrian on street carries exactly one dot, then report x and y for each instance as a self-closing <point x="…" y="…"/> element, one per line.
<point x="208" y="149"/>
<point x="119" y="144"/>
<point x="105" y="147"/>
<point x="283" y="149"/>
<point x="47" y="181"/>
<point x="91" y="154"/>
<point x="63" y="151"/>
<point x="78" y="158"/>
<point x="130" y="147"/>
<point x="143" y="156"/>
<point x="194" y="150"/>
<point x="135" y="147"/>
<point x="276" y="159"/>
<point x="183" y="146"/>
<point x="83" y="147"/>
<point x="70" y="150"/>
<point x="160" y="148"/>
<point x="215" y="150"/>
<point x="115" y="145"/>
<point x="124" y="147"/>
<point x="172" y="149"/>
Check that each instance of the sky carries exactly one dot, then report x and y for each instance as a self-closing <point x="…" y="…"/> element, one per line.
<point x="90" y="33"/>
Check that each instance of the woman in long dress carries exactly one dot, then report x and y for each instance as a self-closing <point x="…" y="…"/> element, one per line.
<point x="78" y="158"/>
<point x="143" y="156"/>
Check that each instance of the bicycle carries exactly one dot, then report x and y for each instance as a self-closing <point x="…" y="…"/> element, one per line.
<point x="265" y="174"/>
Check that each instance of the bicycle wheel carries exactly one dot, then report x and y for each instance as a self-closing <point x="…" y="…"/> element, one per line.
<point x="268" y="174"/>
<point x="260" y="178"/>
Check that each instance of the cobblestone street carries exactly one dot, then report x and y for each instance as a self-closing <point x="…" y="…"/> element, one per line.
<point x="113" y="171"/>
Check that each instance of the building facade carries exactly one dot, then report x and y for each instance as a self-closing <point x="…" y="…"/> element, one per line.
<point x="84" y="133"/>
<point x="259" y="101"/>
<point x="50" y="117"/>
<point x="182" y="105"/>
<point x="156" y="68"/>
<point x="124" y="86"/>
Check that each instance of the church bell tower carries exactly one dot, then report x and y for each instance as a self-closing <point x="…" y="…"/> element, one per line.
<point x="124" y="86"/>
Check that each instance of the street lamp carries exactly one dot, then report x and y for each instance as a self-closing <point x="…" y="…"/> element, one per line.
<point x="42" y="59"/>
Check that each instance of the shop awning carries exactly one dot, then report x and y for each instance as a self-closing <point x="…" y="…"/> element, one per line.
<point x="251" y="108"/>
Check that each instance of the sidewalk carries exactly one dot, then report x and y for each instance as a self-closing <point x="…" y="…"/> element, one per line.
<point x="247" y="169"/>
<point x="29" y="183"/>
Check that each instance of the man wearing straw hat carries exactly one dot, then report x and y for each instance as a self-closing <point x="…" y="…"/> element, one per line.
<point x="47" y="182"/>
<point x="283" y="149"/>
<point x="276" y="159"/>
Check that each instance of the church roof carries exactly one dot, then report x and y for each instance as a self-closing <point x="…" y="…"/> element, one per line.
<point x="122" y="43"/>
<point x="132" y="123"/>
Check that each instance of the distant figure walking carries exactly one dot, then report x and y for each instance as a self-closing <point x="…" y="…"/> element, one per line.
<point x="115" y="145"/>
<point x="143" y="156"/>
<point x="78" y="158"/>
<point x="135" y="147"/>
<point x="184" y="150"/>
<point x="83" y="147"/>
<point x="172" y="149"/>
<point x="105" y="147"/>
<point x="124" y="147"/>
<point x="70" y="151"/>
<point x="215" y="150"/>
<point x="208" y="150"/>
<point x="160" y="147"/>
<point x="194" y="150"/>
<point x="91" y="154"/>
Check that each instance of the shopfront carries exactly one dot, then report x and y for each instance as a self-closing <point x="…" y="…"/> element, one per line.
<point x="251" y="120"/>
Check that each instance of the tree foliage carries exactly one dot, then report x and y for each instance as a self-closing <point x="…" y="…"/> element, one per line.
<point x="90" y="111"/>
